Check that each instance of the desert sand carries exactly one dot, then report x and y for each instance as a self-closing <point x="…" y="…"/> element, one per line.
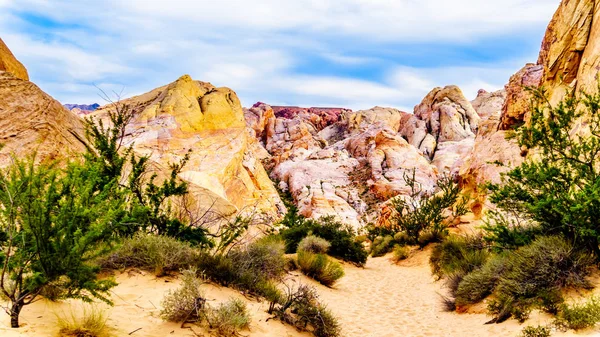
<point x="381" y="300"/>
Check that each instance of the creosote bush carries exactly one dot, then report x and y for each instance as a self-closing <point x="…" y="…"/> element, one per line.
<point x="314" y="244"/>
<point x="320" y="267"/>
<point x="382" y="245"/>
<point x="157" y="253"/>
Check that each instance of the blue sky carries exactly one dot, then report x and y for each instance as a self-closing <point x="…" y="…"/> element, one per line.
<point x="352" y="53"/>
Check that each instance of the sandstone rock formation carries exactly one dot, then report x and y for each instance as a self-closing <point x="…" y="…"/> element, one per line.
<point x="570" y="51"/>
<point x="8" y="63"/>
<point x="32" y="122"/>
<point x="223" y="172"/>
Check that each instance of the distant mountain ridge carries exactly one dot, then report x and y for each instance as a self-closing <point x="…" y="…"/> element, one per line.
<point x="83" y="107"/>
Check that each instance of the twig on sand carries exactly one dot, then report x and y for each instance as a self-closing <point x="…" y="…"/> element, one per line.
<point x="138" y="329"/>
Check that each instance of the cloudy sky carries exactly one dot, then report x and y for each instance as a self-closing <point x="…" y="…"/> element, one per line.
<point x="348" y="53"/>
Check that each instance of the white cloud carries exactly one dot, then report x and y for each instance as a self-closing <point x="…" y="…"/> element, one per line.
<point x="258" y="47"/>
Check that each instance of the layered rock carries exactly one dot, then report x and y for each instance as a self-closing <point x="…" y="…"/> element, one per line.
<point x="572" y="33"/>
<point x="8" y="63"/>
<point x="194" y="117"/>
<point x="32" y="122"/>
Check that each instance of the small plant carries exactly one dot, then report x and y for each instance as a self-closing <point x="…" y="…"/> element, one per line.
<point x="320" y="267"/>
<point x="424" y="210"/>
<point x="252" y="268"/>
<point x="187" y="303"/>
<point x="477" y="285"/>
<point x="157" y="253"/>
<point x="90" y="321"/>
<point x="543" y="267"/>
<point x="458" y="254"/>
<point x="344" y="243"/>
<point x="536" y="331"/>
<point x="302" y="309"/>
<point x="314" y="244"/>
<point x="382" y="245"/>
<point x="401" y="253"/>
<point x="579" y="316"/>
<point x="229" y="318"/>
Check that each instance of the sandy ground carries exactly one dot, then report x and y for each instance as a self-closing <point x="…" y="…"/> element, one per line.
<point x="383" y="299"/>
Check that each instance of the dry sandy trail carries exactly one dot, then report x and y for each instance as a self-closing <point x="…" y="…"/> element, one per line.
<point x="380" y="300"/>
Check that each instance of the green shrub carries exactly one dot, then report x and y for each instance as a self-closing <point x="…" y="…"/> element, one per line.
<point x="402" y="238"/>
<point x="536" y="331"/>
<point x="424" y="211"/>
<point x="382" y="246"/>
<point x="544" y="267"/>
<point x="343" y="240"/>
<point x="503" y="233"/>
<point x="458" y="254"/>
<point x="579" y="316"/>
<point x="252" y="268"/>
<point x="314" y="244"/>
<point x="186" y="303"/>
<point x="228" y="318"/>
<point x="401" y="252"/>
<point x="480" y="283"/>
<point x="302" y="309"/>
<point x="157" y="253"/>
<point x="320" y="267"/>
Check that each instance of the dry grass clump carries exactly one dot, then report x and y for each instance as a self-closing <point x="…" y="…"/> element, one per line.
<point x="187" y="304"/>
<point x="314" y="244"/>
<point x="89" y="321"/>
<point x="157" y="253"/>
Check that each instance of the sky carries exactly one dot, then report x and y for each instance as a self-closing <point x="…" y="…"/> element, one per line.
<point x="347" y="53"/>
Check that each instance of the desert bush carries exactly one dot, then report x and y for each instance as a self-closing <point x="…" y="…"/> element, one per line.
<point x="401" y="252"/>
<point x="382" y="245"/>
<point x="344" y="243"/>
<point x="458" y="254"/>
<point x="157" y="253"/>
<point x="536" y="331"/>
<point x="425" y="210"/>
<point x="90" y="321"/>
<point x="401" y="238"/>
<point x="503" y="233"/>
<point x="545" y="266"/>
<point x="480" y="283"/>
<point x="187" y="303"/>
<point x="228" y="318"/>
<point x="579" y="316"/>
<point x="252" y="268"/>
<point x="558" y="188"/>
<point x="314" y="244"/>
<point x="302" y="309"/>
<point x="320" y="267"/>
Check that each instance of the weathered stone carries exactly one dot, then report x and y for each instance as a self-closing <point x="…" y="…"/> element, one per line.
<point x="9" y="63"/>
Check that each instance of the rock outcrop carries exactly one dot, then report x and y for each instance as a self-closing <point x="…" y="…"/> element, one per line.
<point x="8" y="63"/>
<point x="32" y="122"/>
<point x="223" y="172"/>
